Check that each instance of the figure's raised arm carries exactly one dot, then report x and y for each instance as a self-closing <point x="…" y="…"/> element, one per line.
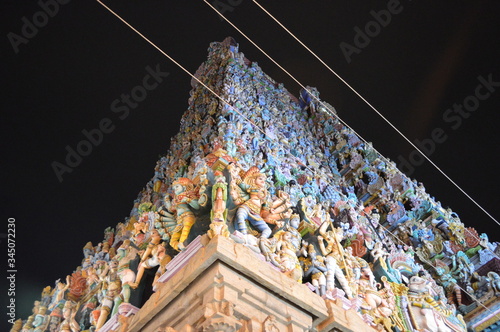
<point x="323" y="227"/>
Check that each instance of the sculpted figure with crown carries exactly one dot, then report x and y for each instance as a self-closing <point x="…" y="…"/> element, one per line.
<point x="186" y="196"/>
<point x="248" y="191"/>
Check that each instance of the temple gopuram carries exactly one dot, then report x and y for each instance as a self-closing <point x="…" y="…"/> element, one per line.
<point x="269" y="214"/>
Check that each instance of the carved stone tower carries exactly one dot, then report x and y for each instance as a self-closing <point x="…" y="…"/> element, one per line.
<point x="267" y="214"/>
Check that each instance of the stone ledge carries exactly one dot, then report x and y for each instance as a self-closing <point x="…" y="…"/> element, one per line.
<point x="324" y="315"/>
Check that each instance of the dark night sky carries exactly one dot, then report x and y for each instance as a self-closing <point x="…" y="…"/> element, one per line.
<point x="64" y="79"/>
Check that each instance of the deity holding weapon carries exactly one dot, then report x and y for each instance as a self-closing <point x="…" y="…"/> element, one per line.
<point x="249" y="192"/>
<point x="334" y="249"/>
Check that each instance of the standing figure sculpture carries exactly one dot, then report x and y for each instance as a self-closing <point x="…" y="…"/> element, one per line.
<point x="153" y="256"/>
<point x="314" y="267"/>
<point x="110" y="302"/>
<point x="125" y="254"/>
<point x="250" y="193"/>
<point x="59" y="293"/>
<point x="218" y="214"/>
<point x="69" y="323"/>
<point x="186" y="196"/>
<point x="335" y="250"/>
<point x="449" y="283"/>
<point x="494" y="282"/>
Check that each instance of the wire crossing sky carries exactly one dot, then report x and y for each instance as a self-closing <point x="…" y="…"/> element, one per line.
<point x="367" y="103"/>
<point x="299" y="83"/>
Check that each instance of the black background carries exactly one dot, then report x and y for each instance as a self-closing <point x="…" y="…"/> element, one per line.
<point x="65" y="78"/>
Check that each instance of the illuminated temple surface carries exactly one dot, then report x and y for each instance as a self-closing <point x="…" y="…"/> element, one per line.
<point x="270" y="215"/>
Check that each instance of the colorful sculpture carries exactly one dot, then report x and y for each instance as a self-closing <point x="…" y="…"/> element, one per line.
<point x="218" y="215"/>
<point x="126" y="253"/>
<point x="186" y="196"/>
<point x="314" y="268"/>
<point x="250" y="194"/>
<point x="299" y="183"/>
<point x="152" y="257"/>
<point x="426" y="313"/>
<point x="335" y="250"/>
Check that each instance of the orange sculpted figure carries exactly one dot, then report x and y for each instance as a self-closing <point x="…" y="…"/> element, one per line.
<point x="185" y="197"/>
<point x="251" y="195"/>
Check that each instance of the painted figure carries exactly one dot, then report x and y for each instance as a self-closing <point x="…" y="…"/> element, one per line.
<point x="152" y="257"/>
<point x="494" y="282"/>
<point x="424" y="310"/>
<point x="185" y="197"/>
<point x="250" y="193"/>
<point x="218" y="214"/>
<point x="110" y="303"/>
<point x="124" y="255"/>
<point x="334" y="249"/>
<point x="314" y="267"/>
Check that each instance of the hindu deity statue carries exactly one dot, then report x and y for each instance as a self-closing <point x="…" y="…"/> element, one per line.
<point x="334" y="249"/>
<point x="428" y="314"/>
<point x="41" y="320"/>
<point x="59" y="292"/>
<point x="250" y="194"/>
<point x="110" y="302"/>
<point x="314" y="267"/>
<point x="494" y="282"/>
<point x="453" y="291"/>
<point x="186" y="196"/>
<point x="124" y="255"/>
<point x="69" y="323"/>
<point x="218" y="215"/>
<point x="286" y="256"/>
<point x="153" y="256"/>
<point x="374" y="301"/>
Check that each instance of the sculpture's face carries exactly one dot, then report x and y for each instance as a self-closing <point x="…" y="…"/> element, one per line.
<point x="113" y="264"/>
<point x="365" y="273"/>
<point x="46" y="292"/>
<point x="178" y="189"/>
<point x="260" y="181"/>
<point x="155" y="234"/>
<point x="417" y="284"/>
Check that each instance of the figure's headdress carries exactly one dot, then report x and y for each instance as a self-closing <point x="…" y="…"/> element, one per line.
<point x="187" y="183"/>
<point x="252" y="174"/>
